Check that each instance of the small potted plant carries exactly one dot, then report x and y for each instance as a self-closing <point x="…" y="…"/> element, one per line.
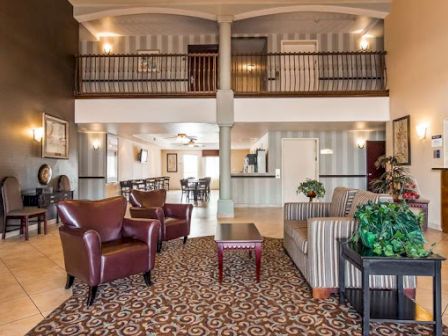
<point x="390" y="230"/>
<point x="311" y="189"/>
<point x="395" y="180"/>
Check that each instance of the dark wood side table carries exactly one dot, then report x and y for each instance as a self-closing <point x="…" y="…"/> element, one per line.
<point x="239" y="237"/>
<point x="47" y="200"/>
<point x="376" y="305"/>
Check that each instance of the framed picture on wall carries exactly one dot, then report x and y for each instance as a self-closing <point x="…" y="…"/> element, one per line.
<point x="402" y="140"/>
<point x="148" y="61"/>
<point x="56" y="137"/>
<point x="171" y="163"/>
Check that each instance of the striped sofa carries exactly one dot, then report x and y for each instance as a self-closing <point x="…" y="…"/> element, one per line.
<point x="311" y="233"/>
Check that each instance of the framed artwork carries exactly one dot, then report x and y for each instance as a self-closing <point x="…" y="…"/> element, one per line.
<point x="171" y="163"/>
<point x="402" y="140"/>
<point x="147" y="62"/>
<point x="56" y="137"/>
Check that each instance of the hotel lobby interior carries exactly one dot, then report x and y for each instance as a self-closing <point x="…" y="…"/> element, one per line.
<point x="223" y="167"/>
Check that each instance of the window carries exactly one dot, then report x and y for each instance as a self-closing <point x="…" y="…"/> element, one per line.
<point x="212" y="167"/>
<point x="191" y="166"/>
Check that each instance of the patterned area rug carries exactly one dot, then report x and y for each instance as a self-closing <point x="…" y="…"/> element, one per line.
<point x="186" y="299"/>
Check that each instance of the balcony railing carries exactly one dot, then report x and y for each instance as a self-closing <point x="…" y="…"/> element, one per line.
<point x="283" y="74"/>
<point x="146" y="75"/>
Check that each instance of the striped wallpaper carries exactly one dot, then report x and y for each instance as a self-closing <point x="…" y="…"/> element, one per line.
<point x="347" y="159"/>
<point x="179" y="43"/>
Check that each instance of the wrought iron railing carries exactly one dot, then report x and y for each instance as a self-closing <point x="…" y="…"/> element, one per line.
<point x="146" y="75"/>
<point x="323" y="73"/>
<point x="295" y="74"/>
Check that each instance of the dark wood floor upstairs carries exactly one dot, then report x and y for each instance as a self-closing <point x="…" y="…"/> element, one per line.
<point x="259" y="75"/>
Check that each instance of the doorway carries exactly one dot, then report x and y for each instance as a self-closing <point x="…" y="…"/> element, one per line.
<point x="374" y="149"/>
<point x="202" y="67"/>
<point x="299" y="72"/>
<point x="296" y="168"/>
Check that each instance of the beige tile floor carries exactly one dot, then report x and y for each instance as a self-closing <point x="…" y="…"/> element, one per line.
<point x="32" y="273"/>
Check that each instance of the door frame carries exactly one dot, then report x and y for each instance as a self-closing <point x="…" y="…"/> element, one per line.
<point x="317" y="161"/>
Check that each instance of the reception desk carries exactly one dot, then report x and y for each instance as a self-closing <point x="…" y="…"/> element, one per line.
<point x="256" y="190"/>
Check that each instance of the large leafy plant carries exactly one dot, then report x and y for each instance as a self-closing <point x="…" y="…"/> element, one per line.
<point x="311" y="188"/>
<point x="390" y="229"/>
<point x="395" y="180"/>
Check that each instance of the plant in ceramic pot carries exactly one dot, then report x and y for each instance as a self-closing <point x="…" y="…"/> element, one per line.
<point x="395" y="180"/>
<point x="390" y="229"/>
<point x="311" y="189"/>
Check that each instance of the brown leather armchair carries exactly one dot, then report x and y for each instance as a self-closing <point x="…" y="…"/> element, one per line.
<point x="100" y="245"/>
<point x="175" y="219"/>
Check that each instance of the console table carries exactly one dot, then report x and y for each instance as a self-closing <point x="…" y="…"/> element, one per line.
<point x="46" y="199"/>
<point x="377" y="305"/>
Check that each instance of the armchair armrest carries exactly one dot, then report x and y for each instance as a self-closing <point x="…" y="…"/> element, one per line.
<point x="82" y="253"/>
<point x="304" y="210"/>
<point x="180" y="211"/>
<point x="146" y="231"/>
<point x="323" y="248"/>
<point x="148" y="213"/>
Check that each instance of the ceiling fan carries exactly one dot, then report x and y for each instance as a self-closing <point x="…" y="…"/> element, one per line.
<point x="183" y="138"/>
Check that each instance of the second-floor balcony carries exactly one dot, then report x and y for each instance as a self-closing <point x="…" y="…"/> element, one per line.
<point x="196" y="75"/>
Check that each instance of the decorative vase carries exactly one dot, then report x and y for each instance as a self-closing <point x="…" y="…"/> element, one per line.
<point x="311" y="195"/>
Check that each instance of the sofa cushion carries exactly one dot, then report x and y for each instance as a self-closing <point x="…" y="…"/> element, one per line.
<point x="341" y="201"/>
<point x="362" y="197"/>
<point x="298" y="231"/>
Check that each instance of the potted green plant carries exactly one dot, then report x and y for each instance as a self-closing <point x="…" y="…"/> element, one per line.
<point x="395" y="180"/>
<point x="311" y="189"/>
<point x="390" y="229"/>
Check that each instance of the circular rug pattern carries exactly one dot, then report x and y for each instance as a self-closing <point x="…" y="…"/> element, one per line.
<point x="186" y="299"/>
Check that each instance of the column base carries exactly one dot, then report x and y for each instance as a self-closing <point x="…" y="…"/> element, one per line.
<point x="225" y="209"/>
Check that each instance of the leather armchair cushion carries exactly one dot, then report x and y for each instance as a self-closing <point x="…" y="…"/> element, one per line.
<point x="104" y="217"/>
<point x="175" y="227"/>
<point x="123" y="257"/>
<point x="148" y="199"/>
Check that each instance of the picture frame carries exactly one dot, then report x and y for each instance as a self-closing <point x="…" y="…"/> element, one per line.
<point x="55" y="141"/>
<point x="402" y="140"/>
<point x="147" y="63"/>
<point x="171" y="163"/>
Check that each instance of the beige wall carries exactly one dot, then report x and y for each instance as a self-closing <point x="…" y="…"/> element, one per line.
<point x="416" y="41"/>
<point x="176" y="177"/>
<point x="129" y="168"/>
<point x="237" y="159"/>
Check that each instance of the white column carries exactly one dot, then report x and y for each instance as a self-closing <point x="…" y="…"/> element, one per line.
<point x="224" y="117"/>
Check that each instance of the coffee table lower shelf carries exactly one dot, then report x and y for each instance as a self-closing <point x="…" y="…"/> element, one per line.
<point x="386" y="306"/>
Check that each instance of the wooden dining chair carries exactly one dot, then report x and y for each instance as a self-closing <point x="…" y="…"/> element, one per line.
<point x="13" y="208"/>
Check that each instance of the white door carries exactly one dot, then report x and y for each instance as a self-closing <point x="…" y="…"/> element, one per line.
<point x="300" y="160"/>
<point x="299" y="72"/>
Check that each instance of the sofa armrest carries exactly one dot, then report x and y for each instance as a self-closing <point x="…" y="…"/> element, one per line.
<point x="323" y="248"/>
<point x="180" y="211"/>
<point x="304" y="210"/>
<point x="146" y="231"/>
<point x="82" y="253"/>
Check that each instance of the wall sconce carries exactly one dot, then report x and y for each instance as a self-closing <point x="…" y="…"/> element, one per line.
<point x="364" y="44"/>
<point x="107" y="48"/>
<point x="38" y="134"/>
<point x="249" y="67"/>
<point x="361" y="143"/>
<point x="421" y="131"/>
<point x="96" y="145"/>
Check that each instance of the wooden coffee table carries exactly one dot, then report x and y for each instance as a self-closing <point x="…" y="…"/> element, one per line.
<point x="238" y="237"/>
